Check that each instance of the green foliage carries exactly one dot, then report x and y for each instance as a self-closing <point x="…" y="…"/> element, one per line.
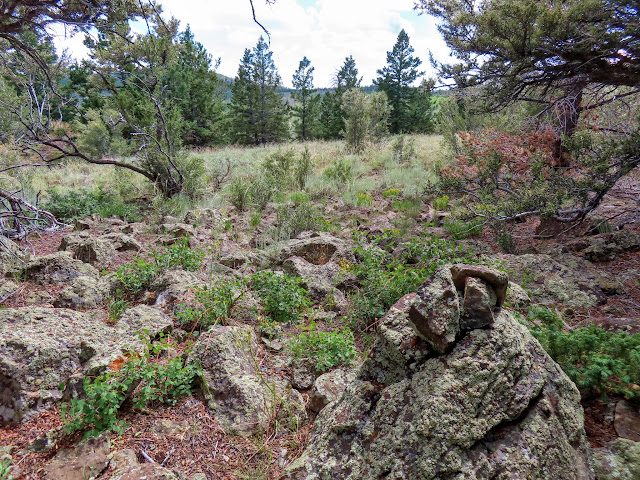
<point x="384" y="277"/>
<point x="281" y="296"/>
<point x="391" y="193"/>
<point x="216" y="302"/>
<point x="298" y="198"/>
<point x="117" y="306"/>
<point x="403" y="149"/>
<point x="5" y="469"/>
<point x="142" y="378"/>
<point x="293" y="220"/>
<point x="303" y="169"/>
<point x="138" y="275"/>
<point x="505" y="242"/>
<point x="340" y="171"/>
<point x="327" y="349"/>
<point x="305" y="109"/>
<point x="603" y="361"/>
<point x="411" y="207"/>
<point x="366" y="118"/>
<point x="441" y="203"/>
<point x="80" y="203"/>
<point x="460" y="230"/>
<point x="364" y="200"/>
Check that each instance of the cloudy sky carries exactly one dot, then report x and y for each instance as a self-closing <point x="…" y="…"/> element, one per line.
<point x="326" y="31"/>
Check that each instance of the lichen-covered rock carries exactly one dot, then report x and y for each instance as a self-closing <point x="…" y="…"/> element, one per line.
<point x="243" y="399"/>
<point x="40" y="348"/>
<point x="517" y="296"/>
<point x="175" y="286"/>
<point x="564" y="279"/>
<point x="127" y="467"/>
<point x="121" y="242"/>
<point x="87" y="460"/>
<point x="316" y="248"/>
<point x="620" y="460"/>
<point x="329" y="386"/>
<point x="494" y="406"/>
<point x="627" y="421"/>
<point x="478" y="304"/>
<point x="605" y="247"/>
<point x="12" y="257"/>
<point x="83" y="293"/>
<point x="304" y="373"/>
<point x="57" y="269"/>
<point x="88" y="249"/>
<point x="435" y="313"/>
<point x="209" y="217"/>
<point x="321" y="281"/>
<point x="499" y="281"/>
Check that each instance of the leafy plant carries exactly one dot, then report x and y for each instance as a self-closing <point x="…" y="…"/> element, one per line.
<point x="300" y="218"/>
<point x="281" y="296"/>
<point x="339" y="172"/>
<point x="5" y="469"/>
<point x="606" y="362"/>
<point x="216" y="302"/>
<point x="141" y="377"/>
<point x="328" y="349"/>
<point x="441" y="203"/>
<point x="117" y="306"/>
<point x="298" y="198"/>
<point x="460" y="230"/>
<point x="364" y="200"/>
<point x="180" y="254"/>
<point x="391" y="193"/>
<point x="137" y="275"/>
<point x="388" y="269"/>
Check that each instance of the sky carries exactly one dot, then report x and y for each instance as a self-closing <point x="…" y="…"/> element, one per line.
<point x="325" y="31"/>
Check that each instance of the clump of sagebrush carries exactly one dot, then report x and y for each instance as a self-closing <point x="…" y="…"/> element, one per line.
<point x="597" y="360"/>
<point x="326" y="349"/>
<point x="389" y="268"/>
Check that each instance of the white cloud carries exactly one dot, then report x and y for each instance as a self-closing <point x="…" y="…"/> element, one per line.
<point x="325" y="31"/>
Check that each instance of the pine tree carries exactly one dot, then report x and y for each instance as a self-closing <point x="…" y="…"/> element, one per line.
<point x="332" y="115"/>
<point x="198" y="92"/>
<point x="306" y="107"/>
<point x="258" y="113"/>
<point x="395" y="80"/>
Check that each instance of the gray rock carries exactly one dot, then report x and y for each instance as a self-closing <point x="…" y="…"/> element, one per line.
<point x="620" y="460"/>
<point x="627" y="421"/>
<point x="88" y="249"/>
<point x="321" y="281"/>
<point x="242" y="399"/>
<point x="495" y="406"/>
<point x="329" y="386"/>
<point x="86" y="461"/>
<point x="499" y="281"/>
<point x="12" y="257"/>
<point x="174" y="286"/>
<point x="83" y="293"/>
<point x="517" y="296"/>
<point x="126" y="467"/>
<point x="317" y="249"/>
<point x="121" y="242"/>
<point x="303" y="373"/>
<point x="478" y="304"/>
<point x="57" y="269"/>
<point x="564" y="279"/>
<point x="40" y="348"/>
<point x="435" y="313"/>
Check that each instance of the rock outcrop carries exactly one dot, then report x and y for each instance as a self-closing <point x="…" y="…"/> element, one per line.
<point x="457" y="402"/>
<point x="41" y="348"/>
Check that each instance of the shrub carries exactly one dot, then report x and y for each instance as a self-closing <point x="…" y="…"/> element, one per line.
<point x="303" y="169"/>
<point x="117" y="306"/>
<point x="137" y="275"/>
<point x="441" y="203"/>
<point x="140" y="377"/>
<point x="404" y="149"/>
<point x="327" y="349"/>
<point x="339" y="172"/>
<point x="180" y="254"/>
<point x="281" y="296"/>
<point x="293" y="220"/>
<point x="460" y="230"/>
<point x="598" y="360"/>
<point x="298" y="198"/>
<point x="391" y="193"/>
<point x="364" y="200"/>
<point x="77" y="204"/>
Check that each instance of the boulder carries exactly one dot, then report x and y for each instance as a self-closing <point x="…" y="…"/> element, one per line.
<point x="42" y="348"/>
<point x="57" y="269"/>
<point x="517" y="296"/>
<point x="494" y="405"/>
<point x="321" y="281"/>
<point x="243" y="399"/>
<point x="627" y="421"/>
<point x="620" y="460"/>
<point x="12" y="257"/>
<point x="329" y="386"/>
<point x="174" y="286"/>
<point x="127" y="467"/>
<point x="88" y="249"/>
<point x="605" y="247"/>
<point x="497" y="280"/>
<point x="83" y="293"/>
<point x="87" y="460"/>
<point x="563" y="279"/>
<point x="316" y="248"/>
<point x="121" y="242"/>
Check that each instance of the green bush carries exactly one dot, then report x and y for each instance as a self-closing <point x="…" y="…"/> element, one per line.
<point x="281" y="296"/>
<point x="597" y="360"/>
<point x="327" y="349"/>
<point x="298" y="198"/>
<point x="77" y="204"/>
<point x="180" y="254"/>
<point x="141" y="378"/>
<point x="364" y="200"/>
<point x="339" y="172"/>
<point x="384" y="277"/>
<point x="460" y="230"/>
<point x="137" y="275"/>
<point x="441" y="203"/>
<point x="216" y="302"/>
<point x="303" y="169"/>
<point x="293" y="220"/>
<point x="391" y="193"/>
<point x="117" y="306"/>
<point x="411" y="207"/>
<point x="5" y="469"/>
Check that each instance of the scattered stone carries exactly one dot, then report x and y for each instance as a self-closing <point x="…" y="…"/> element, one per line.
<point x="272" y="344"/>
<point x="176" y="286"/>
<point x="164" y="427"/>
<point x="605" y="247"/>
<point x="12" y="257"/>
<point x="84" y="462"/>
<point x="627" y="421"/>
<point x="239" y="259"/>
<point x="91" y="250"/>
<point x="320" y="281"/>
<point x="241" y="398"/>
<point x="7" y="288"/>
<point x="177" y="230"/>
<point x="57" y="269"/>
<point x="42" y="348"/>
<point x="83" y="293"/>
<point x="126" y="467"/>
<point x="620" y="460"/>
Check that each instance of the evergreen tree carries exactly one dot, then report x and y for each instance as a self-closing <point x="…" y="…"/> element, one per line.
<point x="257" y="109"/>
<point x="366" y="117"/>
<point x="306" y="107"/>
<point x="198" y="92"/>
<point x="332" y="114"/>
<point x="395" y="80"/>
